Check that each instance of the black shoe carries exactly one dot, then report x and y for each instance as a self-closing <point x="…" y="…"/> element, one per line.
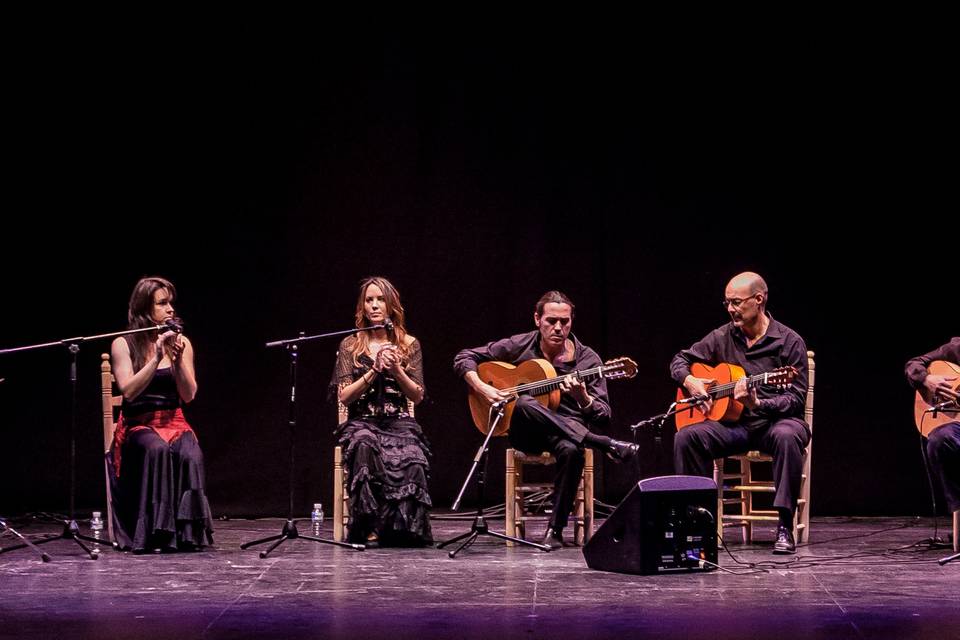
<point x="784" y="544"/>
<point x="622" y="451"/>
<point x="553" y="538"/>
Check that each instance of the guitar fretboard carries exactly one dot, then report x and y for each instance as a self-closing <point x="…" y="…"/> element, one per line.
<point x="542" y="387"/>
<point x="726" y="389"/>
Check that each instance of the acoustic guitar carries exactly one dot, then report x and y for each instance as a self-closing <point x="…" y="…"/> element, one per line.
<point x="725" y="408"/>
<point x="925" y="419"/>
<point x="535" y="378"/>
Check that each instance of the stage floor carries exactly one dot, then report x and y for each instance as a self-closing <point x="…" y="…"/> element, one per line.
<point x="861" y="578"/>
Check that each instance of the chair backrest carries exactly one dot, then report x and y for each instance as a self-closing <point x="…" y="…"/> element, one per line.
<point x="108" y="404"/>
<point x="802" y="534"/>
<point x="108" y="401"/>
<point x="811" y="380"/>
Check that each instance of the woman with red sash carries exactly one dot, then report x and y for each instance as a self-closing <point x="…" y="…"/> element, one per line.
<point x="156" y="475"/>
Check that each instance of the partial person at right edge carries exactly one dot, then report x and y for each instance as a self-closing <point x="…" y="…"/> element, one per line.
<point x="943" y="442"/>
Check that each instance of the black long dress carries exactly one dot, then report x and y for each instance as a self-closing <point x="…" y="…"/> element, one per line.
<point x="386" y="454"/>
<point x="156" y="474"/>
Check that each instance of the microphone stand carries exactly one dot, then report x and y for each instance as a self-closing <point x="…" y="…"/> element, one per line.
<point x="71" y="530"/>
<point x="656" y="422"/>
<point x="4" y="527"/>
<point x="289" y="531"/>
<point x="479" y="526"/>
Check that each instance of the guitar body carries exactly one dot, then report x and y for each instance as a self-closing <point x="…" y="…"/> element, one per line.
<point x="724" y="409"/>
<point x="925" y="421"/>
<point x="505" y="376"/>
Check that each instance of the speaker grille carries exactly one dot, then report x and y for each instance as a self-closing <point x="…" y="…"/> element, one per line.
<point x="676" y="483"/>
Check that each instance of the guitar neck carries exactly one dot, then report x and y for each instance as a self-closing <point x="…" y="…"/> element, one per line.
<point x="725" y="390"/>
<point x="543" y="387"/>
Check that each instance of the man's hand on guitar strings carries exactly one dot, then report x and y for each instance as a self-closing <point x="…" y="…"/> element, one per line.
<point x="494" y="395"/>
<point x="941" y="386"/>
<point x="746" y="395"/>
<point x="697" y="387"/>
<point x="575" y="387"/>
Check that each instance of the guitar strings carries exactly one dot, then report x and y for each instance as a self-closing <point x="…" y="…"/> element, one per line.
<point x="721" y="389"/>
<point x="552" y="383"/>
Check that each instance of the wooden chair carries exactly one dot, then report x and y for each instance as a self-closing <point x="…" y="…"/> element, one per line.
<point x="518" y="491"/>
<point x="341" y="492"/>
<point x="745" y="485"/>
<point x="109" y="404"/>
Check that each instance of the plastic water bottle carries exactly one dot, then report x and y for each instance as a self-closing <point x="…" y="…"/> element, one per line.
<point x="316" y="518"/>
<point x="96" y="530"/>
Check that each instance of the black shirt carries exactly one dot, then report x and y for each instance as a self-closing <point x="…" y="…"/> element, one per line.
<point x="781" y="346"/>
<point x="526" y="346"/>
<point x="916" y="368"/>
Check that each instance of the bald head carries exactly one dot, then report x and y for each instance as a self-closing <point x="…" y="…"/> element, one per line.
<point x="749" y="283"/>
<point x="745" y="298"/>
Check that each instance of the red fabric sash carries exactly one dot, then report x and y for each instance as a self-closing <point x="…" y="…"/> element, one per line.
<point x="169" y="424"/>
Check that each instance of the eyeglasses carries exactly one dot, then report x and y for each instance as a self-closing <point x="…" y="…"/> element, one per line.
<point x="736" y="302"/>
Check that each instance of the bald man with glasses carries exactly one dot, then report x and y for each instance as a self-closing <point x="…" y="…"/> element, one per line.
<point x="772" y="419"/>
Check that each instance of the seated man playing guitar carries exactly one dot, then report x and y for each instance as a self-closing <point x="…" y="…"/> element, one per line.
<point x="582" y="407"/>
<point x="936" y="377"/>
<point x="771" y="420"/>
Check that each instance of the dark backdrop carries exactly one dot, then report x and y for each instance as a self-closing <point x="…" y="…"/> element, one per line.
<point x="475" y="175"/>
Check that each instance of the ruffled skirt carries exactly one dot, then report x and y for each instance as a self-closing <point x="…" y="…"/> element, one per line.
<point x="388" y="470"/>
<point x="159" y="500"/>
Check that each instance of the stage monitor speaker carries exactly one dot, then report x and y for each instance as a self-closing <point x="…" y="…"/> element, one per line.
<point x="664" y="524"/>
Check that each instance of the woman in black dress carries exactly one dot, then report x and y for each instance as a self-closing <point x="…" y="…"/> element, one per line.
<point x="156" y="465"/>
<point x="379" y="377"/>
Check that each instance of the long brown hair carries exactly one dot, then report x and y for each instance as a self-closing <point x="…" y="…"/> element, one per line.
<point x="139" y="316"/>
<point x="394" y="311"/>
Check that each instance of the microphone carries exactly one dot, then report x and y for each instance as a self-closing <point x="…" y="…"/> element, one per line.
<point x="944" y="406"/>
<point x="388" y="325"/>
<point x="695" y="400"/>
<point x="174" y="324"/>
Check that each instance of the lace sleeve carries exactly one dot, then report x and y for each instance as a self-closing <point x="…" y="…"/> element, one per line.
<point x="414" y="366"/>
<point x="342" y="370"/>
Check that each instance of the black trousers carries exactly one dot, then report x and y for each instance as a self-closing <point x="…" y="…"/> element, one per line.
<point x="535" y="429"/>
<point x="943" y="452"/>
<point x="695" y="448"/>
